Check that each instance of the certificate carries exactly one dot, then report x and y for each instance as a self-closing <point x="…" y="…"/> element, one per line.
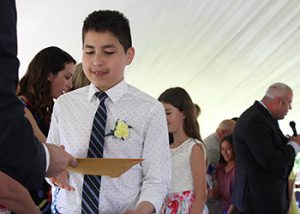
<point x="112" y="167"/>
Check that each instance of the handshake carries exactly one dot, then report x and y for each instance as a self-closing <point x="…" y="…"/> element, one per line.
<point x="59" y="160"/>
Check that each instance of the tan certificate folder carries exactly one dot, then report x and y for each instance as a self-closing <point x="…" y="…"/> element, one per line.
<point x="112" y="167"/>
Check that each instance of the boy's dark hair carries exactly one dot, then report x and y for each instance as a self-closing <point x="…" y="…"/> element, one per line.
<point x="108" y="20"/>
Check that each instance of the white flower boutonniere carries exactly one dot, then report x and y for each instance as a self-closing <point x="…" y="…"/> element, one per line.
<point x="121" y="130"/>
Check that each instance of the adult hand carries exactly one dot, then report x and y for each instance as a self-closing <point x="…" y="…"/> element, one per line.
<point x="15" y="197"/>
<point x="62" y="181"/>
<point x="59" y="160"/>
<point x="295" y="139"/>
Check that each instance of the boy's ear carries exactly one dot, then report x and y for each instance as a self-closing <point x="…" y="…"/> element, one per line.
<point x="130" y="55"/>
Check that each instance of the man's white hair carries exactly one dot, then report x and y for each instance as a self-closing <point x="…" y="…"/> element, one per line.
<point x="278" y="90"/>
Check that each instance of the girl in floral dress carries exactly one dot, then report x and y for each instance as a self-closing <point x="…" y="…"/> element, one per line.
<point x="188" y="192"/>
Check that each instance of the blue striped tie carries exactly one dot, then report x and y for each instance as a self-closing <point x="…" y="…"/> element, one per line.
<point x="91" y="184"/>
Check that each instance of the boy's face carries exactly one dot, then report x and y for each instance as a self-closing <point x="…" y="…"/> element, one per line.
<point x="104" y="59"/>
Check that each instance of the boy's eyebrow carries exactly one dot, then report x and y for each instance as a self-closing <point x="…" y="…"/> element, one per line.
<point x="88" y="46"/>
<point x="105" y="46"/>
<point x="109" y="46"/>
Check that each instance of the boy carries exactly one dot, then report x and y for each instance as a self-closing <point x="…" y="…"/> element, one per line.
<point x="135" y="126"/>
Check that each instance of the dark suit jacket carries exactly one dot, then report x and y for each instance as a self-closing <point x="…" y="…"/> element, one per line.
<point x="21" y="155"/>
<point x="264" y="161"/>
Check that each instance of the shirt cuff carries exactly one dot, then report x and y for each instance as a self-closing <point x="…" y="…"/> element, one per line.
<point x="295" y="146"/>
<point x="47" y="157"/>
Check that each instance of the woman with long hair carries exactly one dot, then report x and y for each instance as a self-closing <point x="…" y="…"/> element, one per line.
<point x="225" y="174"/>
<point x="48" y="76"/>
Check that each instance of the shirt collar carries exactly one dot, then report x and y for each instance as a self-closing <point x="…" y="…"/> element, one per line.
<point x="114" y="93"/>
<point x="261" y="103"/>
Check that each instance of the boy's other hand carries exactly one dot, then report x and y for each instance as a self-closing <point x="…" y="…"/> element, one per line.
<point x="62" y="181"/>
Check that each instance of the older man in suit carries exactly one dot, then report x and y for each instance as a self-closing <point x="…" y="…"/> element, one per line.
<point x="264" y="156"/>
<point x="22" y="157"/>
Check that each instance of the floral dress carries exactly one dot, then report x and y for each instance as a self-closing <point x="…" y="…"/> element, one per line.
<point x="3" y="210"/>
<point x="181" y="196"/>
<point x="177" y="203"/>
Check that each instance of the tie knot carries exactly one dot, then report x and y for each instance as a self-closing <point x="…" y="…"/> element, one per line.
<point x="101" y="96"/>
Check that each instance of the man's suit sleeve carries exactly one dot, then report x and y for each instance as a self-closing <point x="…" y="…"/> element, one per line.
<point x="21" y="156"/>
<point x="267" y="144"/>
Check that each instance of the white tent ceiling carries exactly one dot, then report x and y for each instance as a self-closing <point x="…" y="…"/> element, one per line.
<point x="225" y="53"/>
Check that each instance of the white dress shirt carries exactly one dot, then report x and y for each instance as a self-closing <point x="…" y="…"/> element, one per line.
<point x="71" y="126"/>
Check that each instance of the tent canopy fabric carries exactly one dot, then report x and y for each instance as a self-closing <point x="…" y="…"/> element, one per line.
<point x="224" y="53"/>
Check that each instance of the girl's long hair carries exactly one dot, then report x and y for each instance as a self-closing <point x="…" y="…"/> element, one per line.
<point x="179" y="98"/>
<point x="229" y="139"/>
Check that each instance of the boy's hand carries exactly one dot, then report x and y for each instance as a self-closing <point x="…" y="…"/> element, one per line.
<point x="62" y="181"/>
<point x="144" y="207"/>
